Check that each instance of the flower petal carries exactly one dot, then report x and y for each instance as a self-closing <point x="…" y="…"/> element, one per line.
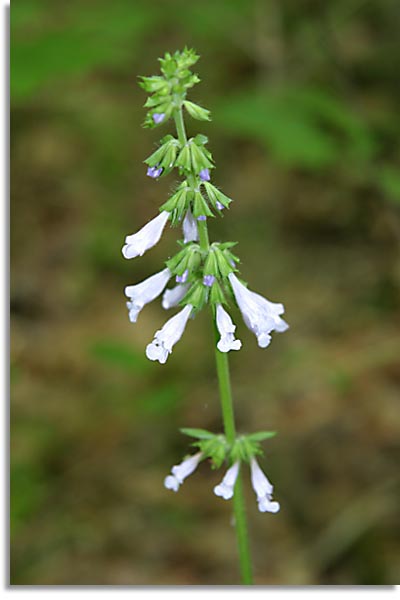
<point x="137" y="243"/>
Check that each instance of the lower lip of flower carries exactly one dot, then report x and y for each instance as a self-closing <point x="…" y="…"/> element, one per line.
<point x="182" y="278"/>
<point x="208" y="280"/>
<point x="204" y="175"/>
<point x="202" y="218"/>
<point x="158" y="118"/>
<point x="154" y="172"/>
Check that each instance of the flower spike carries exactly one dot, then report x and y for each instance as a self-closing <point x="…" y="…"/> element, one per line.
<point x="205" y="273"/>
<point x="147" y="237"/>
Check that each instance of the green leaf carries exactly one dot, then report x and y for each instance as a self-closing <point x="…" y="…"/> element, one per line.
<point x="260" y="436"/>
<point x="201" y="434"/>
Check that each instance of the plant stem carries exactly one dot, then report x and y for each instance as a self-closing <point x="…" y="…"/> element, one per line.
<point x="226" y="396"/>
<point x="230" y="432"/>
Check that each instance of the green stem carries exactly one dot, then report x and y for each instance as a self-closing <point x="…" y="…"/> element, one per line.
<point x="230" y="432"/>
<point x="226" y="397"/>
<point x="180" y="127"/>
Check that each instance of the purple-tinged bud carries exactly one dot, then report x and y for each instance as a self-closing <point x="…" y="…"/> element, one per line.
<point x="208" y="280"/>
<point x="158" y="118"/>
<point x="154" y="172"/>
<point x="182" y="278"/>
<point x="204" y="175"/>
<point x="202" y="218"/>
<point x="219" y="205"/>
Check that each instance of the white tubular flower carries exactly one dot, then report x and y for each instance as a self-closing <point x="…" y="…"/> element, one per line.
<point x="147" y="237"/>
<point x="226" y="330"/>
<point x="263" y="488"/>
<point x="173" y="296"/>
<point x="189" y="226"/>
<point x="226" y="488"/>
<point x="166" y="338"/>
<point x="181" y="471"/>
<point x="145" y="292"/>
<point x="260" y="315"/>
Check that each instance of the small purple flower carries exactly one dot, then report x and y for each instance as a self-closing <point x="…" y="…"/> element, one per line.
<point x="208" y="280"/>
<point x="202" y="218"/>
<point x="219" y="205"/>
<point x="182" y="278"/>
<point x="154" y="172"/>
<point x="158" y="118"/>
<point x="204" y="175"/>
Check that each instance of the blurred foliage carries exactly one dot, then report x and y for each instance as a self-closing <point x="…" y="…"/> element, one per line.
<point x="73" y="40"/>
<point x="304" y="99"/>
<point x="299" y="127"/>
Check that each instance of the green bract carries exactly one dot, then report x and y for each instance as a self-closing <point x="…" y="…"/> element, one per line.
<point x="196" y="111"/>
<point x="169" y="90"/>
<point x="216" y="447"/>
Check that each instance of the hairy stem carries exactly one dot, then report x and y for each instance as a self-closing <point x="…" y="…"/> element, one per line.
<point x="225" y="395"/>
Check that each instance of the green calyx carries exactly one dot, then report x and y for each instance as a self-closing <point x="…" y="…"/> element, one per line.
<point x="179" y="203"/>
<point x="194" y="157"/>
<point x="216" y="447"/>
<point x="200" y="206"/>
<point x="220" y="261"/>
<point x="213" y="446"/>
<point x="165" y="155"/>
<point x="187" y="258"/>
<point x="215" y="195"/>
<point x="196" y="111"/>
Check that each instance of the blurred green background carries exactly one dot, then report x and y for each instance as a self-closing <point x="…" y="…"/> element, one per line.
<point x="304" y="97"/>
